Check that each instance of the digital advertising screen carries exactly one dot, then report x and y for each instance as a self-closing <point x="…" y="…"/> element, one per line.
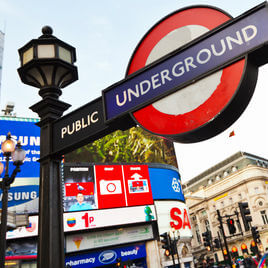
<point x="105" y="186"/>
<point x="79" y="187"/>
<point x="166" y="183"/>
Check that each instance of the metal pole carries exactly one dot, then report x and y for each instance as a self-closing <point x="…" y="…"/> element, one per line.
<point x="50" y="224"/>
<point x="219" y="237"/>
<point x="256" y="245"/>
<point x="3" y="229"/>
<point x="224" y="238"/>
<point x="172" y="250"/>
<point x="176" y="251"/>
<point x="238" y="222"/>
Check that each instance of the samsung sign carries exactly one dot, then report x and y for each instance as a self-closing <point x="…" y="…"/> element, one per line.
<point x="21" y="194"/>
<point x="106" y="257"/>
<point x="25" y="131"/>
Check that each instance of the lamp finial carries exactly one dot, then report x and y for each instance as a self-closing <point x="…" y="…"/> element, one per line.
<point x="47" y="30"/>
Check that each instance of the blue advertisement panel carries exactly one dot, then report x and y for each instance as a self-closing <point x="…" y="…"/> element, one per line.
<point x="28" y="133"/>
<point x="107" y="257"/>
<point x="166" y="184"/>
<point x="23" y="195"/>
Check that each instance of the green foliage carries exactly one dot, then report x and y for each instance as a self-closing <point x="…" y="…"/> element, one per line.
<point x="132" y="145"/>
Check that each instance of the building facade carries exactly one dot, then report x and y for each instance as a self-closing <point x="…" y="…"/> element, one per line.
<point x="242" y="177"/>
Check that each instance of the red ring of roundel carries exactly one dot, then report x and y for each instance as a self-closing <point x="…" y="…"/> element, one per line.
<point x="165" y="124"/>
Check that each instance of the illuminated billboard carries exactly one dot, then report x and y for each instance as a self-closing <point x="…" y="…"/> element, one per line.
<point x="173" y="215"/>
<point x="105" y="186"/>
<point x="28" y="231"/>
<point x="24" y="192"/>
<point x="91" y="219"/>
<point x="108" y="257"/>
<point x="105" y="238"/>
<point x="2" y="39"/>
<point x="25" y="131"/>
<point x="165" y="182"/>
<point x="134" y="145"/>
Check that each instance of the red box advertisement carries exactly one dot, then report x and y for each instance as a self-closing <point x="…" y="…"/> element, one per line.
<point x="110" y="186"/>
<point x="138" y="186"/>
<point x="106" y="186"/>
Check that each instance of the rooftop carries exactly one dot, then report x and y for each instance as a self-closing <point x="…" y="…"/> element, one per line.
<point x="221" y="170"/>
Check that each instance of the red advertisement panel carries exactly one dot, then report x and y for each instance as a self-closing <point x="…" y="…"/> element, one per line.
<point x="86" y="188"/>
<point x="137" y="183"/>
<point x="110" y="186"/>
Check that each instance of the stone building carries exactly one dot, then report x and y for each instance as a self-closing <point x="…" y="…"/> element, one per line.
<point x="242" y="177"/>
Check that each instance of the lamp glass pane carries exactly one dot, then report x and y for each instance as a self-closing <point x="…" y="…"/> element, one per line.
<point x="27" y="55"/>
<point x="8" y="146"/>
<point x="45" y="51"/>
<point x="65" y="54"/>
<point x="18" y="155"/>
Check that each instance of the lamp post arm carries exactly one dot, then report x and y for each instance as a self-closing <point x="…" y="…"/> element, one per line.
<point x="11" y="179"/>
<point x="7" y="181"/>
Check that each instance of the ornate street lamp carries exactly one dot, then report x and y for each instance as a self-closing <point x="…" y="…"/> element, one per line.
<point x="48" y="64"/>
<point x="9" y="149"/>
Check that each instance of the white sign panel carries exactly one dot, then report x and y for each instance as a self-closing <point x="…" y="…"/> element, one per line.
<point x="84" y="241"/>
<point x="90" y="219"/>
<point x="30" y="230"/>
<point x="75" y="221"/>
<point x="173" y="214"/>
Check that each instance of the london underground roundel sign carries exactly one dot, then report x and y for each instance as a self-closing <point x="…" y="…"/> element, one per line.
<point x="206" y="107"/>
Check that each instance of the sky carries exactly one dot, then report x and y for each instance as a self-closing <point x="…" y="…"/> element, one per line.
<point x="105" y="34"/>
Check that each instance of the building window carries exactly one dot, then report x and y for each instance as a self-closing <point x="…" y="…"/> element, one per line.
<point x="197" y="232"/>
<point x="204" y="213"/>
<point x="225" y="174"/>
<point x="234" y="168"/>
<point x="257" y="190"/>
<point x="207" y="225"/>
<point x="218" y="177"/>
<point x="264" y="217"/>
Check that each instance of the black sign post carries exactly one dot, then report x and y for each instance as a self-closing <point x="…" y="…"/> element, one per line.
<point x="47" y="63"/>
<point x="82" y="126"/>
